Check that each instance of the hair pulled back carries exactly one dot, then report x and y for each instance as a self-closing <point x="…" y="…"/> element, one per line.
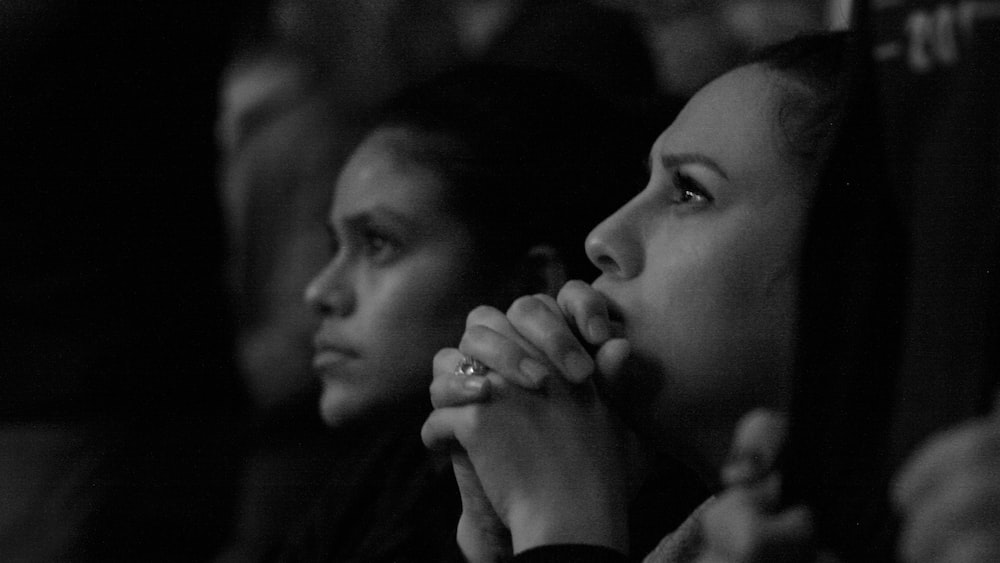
<point x="813" y="109"/>
<point x="527" y="157"/>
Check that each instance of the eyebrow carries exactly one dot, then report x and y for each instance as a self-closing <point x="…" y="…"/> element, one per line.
<point x="674" y="160"/>
<point x="379" y="214"/>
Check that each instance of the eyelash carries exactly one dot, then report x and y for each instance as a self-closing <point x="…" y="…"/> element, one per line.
<point x="687" y="190"/>
<point x="373" y="244"/>
<point x="378" y="245"/>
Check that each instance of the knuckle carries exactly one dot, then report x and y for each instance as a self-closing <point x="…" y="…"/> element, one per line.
<point x="579" y="297"/>
<point x="480" y="315"/>
<point x="574" y="289"/>
<point x="525" y="307"/>
<point x="443" y="355"/>
<point x="474" y="335"/>
<point x="576" y="285"/>
<point x="427" y="434"/>
<point x="438" y="390"/>
<point x="546" y="300"/>
<point x="444" y="362"/>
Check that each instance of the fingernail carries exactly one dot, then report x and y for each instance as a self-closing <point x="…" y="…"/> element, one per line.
<point x="598" y="330"/>
<point x="578" y="366"/>
<point x="474" y="383"/>
<point x="535" y="370"/>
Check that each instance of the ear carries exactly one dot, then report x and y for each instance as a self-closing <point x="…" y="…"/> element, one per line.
<point x="540" y="270"/>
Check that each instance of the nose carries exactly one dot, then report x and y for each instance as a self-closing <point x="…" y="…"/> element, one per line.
<point x="615" y="245"/>
<point x="329" y="293"/>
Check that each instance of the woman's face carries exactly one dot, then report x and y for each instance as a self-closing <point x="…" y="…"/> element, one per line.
<point x="397" y="288"/>
<point x="701" y="268"/>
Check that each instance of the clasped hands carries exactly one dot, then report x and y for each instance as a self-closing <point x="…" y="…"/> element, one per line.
<point x="538" y="455"/>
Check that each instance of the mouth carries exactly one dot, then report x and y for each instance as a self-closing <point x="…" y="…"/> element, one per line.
<point x="328" y="357"/>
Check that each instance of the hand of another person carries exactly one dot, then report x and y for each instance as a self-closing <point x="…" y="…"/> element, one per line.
<point x="948" y="495"/>
<point x="743" y="524"/>
<point x="551" y="461"/>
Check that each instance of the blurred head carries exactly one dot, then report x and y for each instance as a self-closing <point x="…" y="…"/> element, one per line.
<point x="473" y="188"/>
<point x="702" y="267"/>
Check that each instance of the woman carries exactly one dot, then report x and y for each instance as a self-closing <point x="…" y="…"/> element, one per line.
<point x="691" y="323"/>
<point x="446" y="203"/>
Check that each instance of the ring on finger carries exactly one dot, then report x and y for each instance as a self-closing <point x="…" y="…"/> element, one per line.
<point x="470" y="366"/>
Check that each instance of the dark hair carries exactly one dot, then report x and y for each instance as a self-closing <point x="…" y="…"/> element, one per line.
<point x="811" y="117"/>
<point x="851" y="299"/>
<point x="529" y="157"/>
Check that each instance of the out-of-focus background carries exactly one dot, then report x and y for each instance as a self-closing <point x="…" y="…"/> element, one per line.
<point x="166" y="171"/>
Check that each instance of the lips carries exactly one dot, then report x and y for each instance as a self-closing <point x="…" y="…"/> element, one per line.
<point x="329" y="355"/>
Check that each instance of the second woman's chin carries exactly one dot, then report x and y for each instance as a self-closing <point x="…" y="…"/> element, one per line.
<point x="346" y="402"/>
<point x="342" y="403"/>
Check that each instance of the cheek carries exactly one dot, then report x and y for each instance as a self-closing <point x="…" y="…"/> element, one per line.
<point x="720" y="308"/>
<point x="417" y="311"/>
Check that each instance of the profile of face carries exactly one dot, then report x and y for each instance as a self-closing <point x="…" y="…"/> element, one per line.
<point x="397" y="288"/>
<point x="701" y="267"/>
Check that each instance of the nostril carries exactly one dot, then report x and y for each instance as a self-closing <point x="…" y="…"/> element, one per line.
<point x="607" y="264"/>
<point x="323" y="308"/>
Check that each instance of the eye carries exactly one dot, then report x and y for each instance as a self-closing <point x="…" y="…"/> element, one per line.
<point x="379" y="246"/>
<point x="687" y="190"/>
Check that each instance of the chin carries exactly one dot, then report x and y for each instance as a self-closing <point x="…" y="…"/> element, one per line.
<point x="340" y="407"/>
<point x="343" y="404"/>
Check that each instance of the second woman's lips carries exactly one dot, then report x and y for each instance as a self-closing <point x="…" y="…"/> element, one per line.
<point x="329" y="355"/>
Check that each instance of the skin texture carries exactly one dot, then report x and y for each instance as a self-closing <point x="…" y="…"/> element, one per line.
<point x="701" y="268"/>
<point x="396" y="288"/>
<point x="690" y="325"/>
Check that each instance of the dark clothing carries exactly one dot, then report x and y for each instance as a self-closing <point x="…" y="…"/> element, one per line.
<point x="570" y="552"/>
<point x="682" y="545"/>
<point x="388" y="499"/>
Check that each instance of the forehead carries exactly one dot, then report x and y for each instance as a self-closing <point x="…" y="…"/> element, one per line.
<point x="733" y="121"/>
<point x="379" y="174"/>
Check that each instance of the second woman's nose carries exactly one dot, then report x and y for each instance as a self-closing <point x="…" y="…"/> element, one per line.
<point x="328" y="293"/>
<point x="615" y="245"/>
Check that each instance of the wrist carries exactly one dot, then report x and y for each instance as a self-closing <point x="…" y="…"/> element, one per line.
<point x="605" y="526"/>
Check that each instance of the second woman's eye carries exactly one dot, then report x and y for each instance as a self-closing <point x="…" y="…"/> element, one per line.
<point x="379" y="246"/>
<point x="687" y="190"/>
